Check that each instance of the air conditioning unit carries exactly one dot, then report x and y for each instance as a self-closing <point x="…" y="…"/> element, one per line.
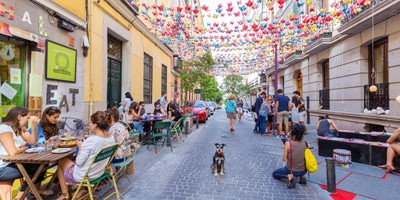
<point x="131" y="4"/>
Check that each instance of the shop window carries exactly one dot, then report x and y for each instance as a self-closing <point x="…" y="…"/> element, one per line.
<point x="12" y="76"/>
<point x="148" y="79"/>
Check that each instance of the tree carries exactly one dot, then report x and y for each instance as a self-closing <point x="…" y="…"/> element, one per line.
<point x="209" y="87"/>
<point x="233" y="85"/>
<point x="194" y="71"/>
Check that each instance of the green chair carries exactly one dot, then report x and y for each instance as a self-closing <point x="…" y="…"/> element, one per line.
<point x="91" y="185"/>
<point x="177" y="129"/>
<point x="160" y="129"/>
<point x="183" y="125"/>
<point x="132" y="132"/>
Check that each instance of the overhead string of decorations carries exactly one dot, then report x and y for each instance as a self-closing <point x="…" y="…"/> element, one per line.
<point x="240" y="40"/>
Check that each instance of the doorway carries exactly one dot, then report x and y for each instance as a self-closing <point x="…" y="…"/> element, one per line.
<point x="114" y="69"/>
<point x="299" y="83"/>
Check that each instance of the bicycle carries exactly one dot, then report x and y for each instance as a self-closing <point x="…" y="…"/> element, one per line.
<point x="73" y="125"/>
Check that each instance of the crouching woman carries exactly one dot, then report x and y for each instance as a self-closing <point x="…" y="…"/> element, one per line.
<point x="293" y="155"/>
<point x="72" y="173"/>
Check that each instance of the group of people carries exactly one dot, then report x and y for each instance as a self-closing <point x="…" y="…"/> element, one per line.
<point x="133" y="112"/>
<point x="283" y="108"/>
<point x="104" y="129"/>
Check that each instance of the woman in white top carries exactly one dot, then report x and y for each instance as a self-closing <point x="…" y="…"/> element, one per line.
<point x="13" y="139"/>
<point x="294" y="111"/>
<point x="73" y="173"/>
<point x="127" y="101"/>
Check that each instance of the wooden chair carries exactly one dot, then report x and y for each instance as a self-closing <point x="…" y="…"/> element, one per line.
<point x="160" y="129"/>
<point x="91" y="185"/>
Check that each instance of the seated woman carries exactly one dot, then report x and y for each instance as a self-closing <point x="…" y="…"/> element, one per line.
<point x="47" y="128"/>
<point x="132" y="117"/>
<point x="174" y="115"/>
<point x="393" y="150"/>
<point x="120" y="133"/>
<point x="293" y="155"/>
<point x="157" y="109"/>
<point x="323" y="127"/>
<point x="72" y="173"/>
<point x="13" y="139"/>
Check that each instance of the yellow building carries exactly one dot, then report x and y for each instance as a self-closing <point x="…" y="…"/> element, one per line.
<point x="123" y="56"/>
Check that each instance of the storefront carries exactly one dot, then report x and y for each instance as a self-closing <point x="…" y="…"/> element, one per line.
<point x="41" y="57"/>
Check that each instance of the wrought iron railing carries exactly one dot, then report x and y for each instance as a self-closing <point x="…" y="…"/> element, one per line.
<point x="324" y="101"/>
<point x="348" y="16"/>
<point x="380" y="98"/>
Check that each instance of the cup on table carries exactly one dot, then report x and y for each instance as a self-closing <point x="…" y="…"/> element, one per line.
<point x="41" y="148"/>
<point x="49" y="145"/>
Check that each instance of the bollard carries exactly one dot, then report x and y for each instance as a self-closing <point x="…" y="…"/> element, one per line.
<point x="197" y="122"/>
<point x="330" y="175"/>
<point x="186" y="128"/>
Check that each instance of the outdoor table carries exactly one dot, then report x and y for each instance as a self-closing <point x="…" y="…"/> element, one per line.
<point x="47" y="158"/>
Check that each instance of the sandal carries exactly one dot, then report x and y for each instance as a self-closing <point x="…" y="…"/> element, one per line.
<point x="291" y="182"/>
<point x="64" y="195"/>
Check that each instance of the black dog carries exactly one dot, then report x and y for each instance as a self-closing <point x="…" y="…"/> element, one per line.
<point x="218" y="160"/>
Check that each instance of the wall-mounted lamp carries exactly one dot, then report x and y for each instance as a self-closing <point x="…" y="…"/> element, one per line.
<point x="398" y="99"/>
<point x="373" y="88"/>
<point x="85" y="45"/>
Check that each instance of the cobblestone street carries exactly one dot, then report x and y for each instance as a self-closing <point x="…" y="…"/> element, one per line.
<point x="185" y="173"/>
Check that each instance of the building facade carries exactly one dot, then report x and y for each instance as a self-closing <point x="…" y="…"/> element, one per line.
<point x="336" y="71"/>
<point x="41" y="59"/>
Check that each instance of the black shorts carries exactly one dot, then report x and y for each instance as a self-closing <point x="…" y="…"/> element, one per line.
<point x="270" y="118"/>
<point x="11" y="172"/>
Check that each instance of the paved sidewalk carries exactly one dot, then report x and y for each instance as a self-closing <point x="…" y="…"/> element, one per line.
<point x="250" y="159"/>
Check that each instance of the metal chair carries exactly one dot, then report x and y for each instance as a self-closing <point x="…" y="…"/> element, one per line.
<point x="160" y="129"/>
<point x="177" y="129"/>
<point x="105" y="153"/>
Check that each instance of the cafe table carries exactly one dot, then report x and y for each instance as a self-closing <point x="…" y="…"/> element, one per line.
<point x="45" y="161"/>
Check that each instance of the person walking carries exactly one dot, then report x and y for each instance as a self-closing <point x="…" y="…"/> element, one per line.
<point x="259" y="101"/>
<point x="293" y="155"/>
<point x="294" y="111"/>
<point x="270" y="119"/>
<point x="230" y="106"/>
<point x="282" y="103"/>
<point x="239" y="109"/>
<point x="263" y="114"/>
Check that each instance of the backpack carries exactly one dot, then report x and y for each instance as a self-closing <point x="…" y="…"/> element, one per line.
<point x="311" y="162"/>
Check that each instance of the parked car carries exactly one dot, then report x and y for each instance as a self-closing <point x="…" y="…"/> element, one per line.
<point x="211" y="107"/>
<point x="200" y="110"/>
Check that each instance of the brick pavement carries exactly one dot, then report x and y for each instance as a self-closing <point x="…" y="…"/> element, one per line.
<point x="185" y="173"/>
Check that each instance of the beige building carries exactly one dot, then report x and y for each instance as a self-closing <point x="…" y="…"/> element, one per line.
<point x="336" y="71"/>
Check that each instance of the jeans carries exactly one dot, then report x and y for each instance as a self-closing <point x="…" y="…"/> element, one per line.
<point x="257" y="127"/>
<point x="283" y="172"/>
<point x="263" y="120"/>
<point x="139" y="127"/>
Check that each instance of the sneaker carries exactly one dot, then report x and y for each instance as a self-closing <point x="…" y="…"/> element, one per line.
<point x="302" y="180"/>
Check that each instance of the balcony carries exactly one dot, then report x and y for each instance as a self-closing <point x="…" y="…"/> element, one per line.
<point x="382" y="10"/>
<point x="294" y="58"/>
<point x="324" y="101"/>
<point x="323" y="42"/>
<point x="380" y="98"/>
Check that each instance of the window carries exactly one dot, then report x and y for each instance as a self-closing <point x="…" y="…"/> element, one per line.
<point x="163" y="79"/>
<point x="325" y="74"/>
<point x="324" y="99"/>
<point x="147" y="79"/>
<point x="378" y="76"/>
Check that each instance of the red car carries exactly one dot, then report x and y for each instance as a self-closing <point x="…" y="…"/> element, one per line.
<point x="200" y="110"/>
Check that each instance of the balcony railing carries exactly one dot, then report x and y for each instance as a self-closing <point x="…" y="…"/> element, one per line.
<point x="380" y="98"/>
<point x="351" y="16"/>
<point x="324" y="99"/>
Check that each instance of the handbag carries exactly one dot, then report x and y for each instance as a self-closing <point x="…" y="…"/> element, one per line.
<point x="310" y="161"/>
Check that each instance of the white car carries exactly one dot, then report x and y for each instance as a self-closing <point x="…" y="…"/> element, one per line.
<point x="211" y="107"/>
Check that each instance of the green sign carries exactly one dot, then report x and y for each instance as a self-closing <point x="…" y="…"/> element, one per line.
<point x="197" y="91"/>
<point x="60" y="62"/>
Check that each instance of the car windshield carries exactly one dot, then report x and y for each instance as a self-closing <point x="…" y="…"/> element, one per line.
<point x="210" y="104"/>
<point x="199" y="105"/>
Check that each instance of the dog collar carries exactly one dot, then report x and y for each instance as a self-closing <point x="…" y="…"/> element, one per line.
<point x="221" y="154"/>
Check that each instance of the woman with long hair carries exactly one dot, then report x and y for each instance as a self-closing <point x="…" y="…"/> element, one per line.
<point x="13" y="139"/>
<point x="120" y="133"/>
<point x="127" y="101"/>
<point x="133" y="117"/>
<point x="293" y="155"/>
<point x="230" y="107"/>
<point x="73" y="172"/>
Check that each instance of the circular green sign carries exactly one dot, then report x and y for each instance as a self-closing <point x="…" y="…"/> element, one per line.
<point x="62" y="61"/>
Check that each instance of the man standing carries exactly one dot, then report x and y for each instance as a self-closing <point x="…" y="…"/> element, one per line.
<point x="259" y="101"/>
<point x="282" y="103"/>
<point x="163" y="102"/>
<point x="302" y="109"/>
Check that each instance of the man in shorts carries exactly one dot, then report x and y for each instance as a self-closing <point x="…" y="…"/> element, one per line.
<point x="302" y="109"/>
<point x="281" y="110"/>
<point x="239" y="107"/>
